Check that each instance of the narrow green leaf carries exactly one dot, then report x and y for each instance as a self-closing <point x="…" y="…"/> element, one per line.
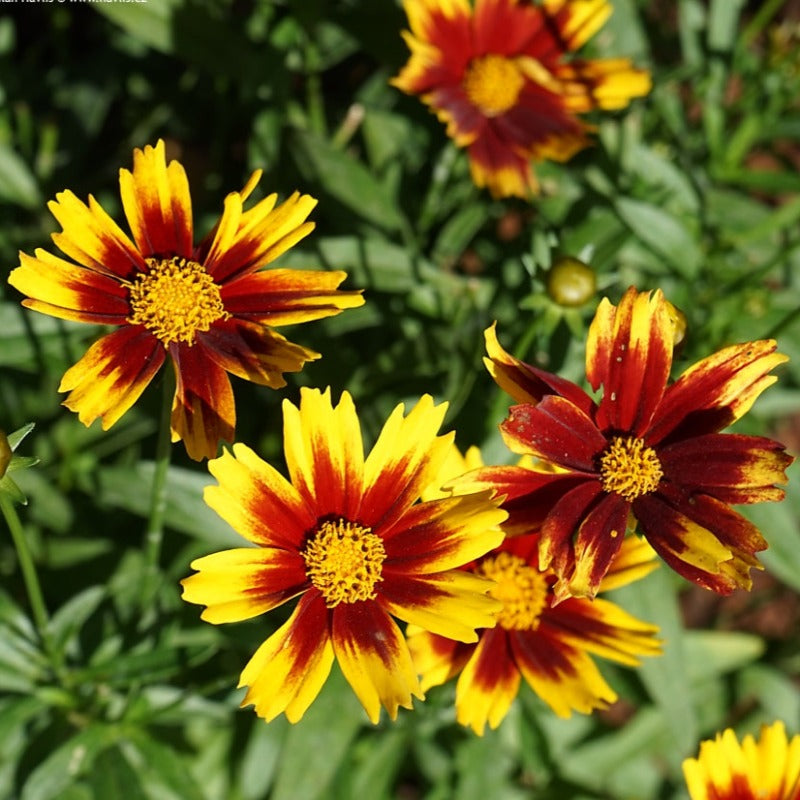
<point x="328" y="728"/>
<point x="723" y="23"/>
<point x="120" y="487"/>
<point x="662" y="232"/>
<point x="162" y="770"/>
<point x="70" y="618"/>
<point x="112" y="776"/>
<point x="654" y="600"/>
<point x="17" y="182"/>
<point x="711" y="653"/>
<point x="347" y="179"/>
<point x="69" y="762"/>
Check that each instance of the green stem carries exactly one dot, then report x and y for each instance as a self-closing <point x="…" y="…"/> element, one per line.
<point x="31" y="579"/>
<point x="158" y="490"/>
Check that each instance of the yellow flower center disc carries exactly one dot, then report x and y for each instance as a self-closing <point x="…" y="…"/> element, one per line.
<point x="629" y="469"/>
<point x="174" y="299"/>
<point x="344" y="561"/>
<point x="519" y="587"/>
<point x="493" y="83"/>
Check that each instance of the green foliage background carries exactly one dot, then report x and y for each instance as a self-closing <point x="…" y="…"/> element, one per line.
<point x="694" y="190"/>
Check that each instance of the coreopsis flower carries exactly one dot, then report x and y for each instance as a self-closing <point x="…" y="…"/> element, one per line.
<point x="550" y="646"/>
<point x="501" y="76"/>
<point x="767" y="769"/>
<point x="348" y="537"/>
<point x="208" y="307"/>
<point x="646" y="449"/>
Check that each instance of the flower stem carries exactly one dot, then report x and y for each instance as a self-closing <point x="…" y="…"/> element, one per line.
<point x="32" y="587"/>
<point x="158" y="491"/>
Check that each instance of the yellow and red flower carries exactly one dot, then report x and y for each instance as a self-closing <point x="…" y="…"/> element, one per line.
<point x="549" y="646"/>
<point x="646" y="449"/>
<point x="767" y="769"/>
<point x="209" y="307"/>
<point x="502" y="78"/>
<point x="350" y="539"/>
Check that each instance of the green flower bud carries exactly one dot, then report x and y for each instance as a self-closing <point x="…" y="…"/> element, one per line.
<point x="570" y="282"/>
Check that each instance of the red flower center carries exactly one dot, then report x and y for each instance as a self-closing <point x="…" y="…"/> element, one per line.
<point x="519" y="587"/>
<point x="629" y="469"/>
<point x="344" y="561"/>
<point x="174" y="299"/>
<point x="493" y="83"/>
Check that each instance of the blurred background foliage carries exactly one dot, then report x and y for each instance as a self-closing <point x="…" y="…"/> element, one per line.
<point x="695" y="190"/>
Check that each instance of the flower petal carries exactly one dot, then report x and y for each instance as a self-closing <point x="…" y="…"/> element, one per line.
<point x="254" y="352"/>
<point x="324" y="453"/>
<point x="374" y="658"/>
<point x="629" y="353"/>
<point x="488" y="683"/>
<point x="635" y="559"/>
<point x="716" y="391"/>
<point x="288" y="296"/>
<point x="608" y="83"/>
<point x="563" y="675"/>
<point x="497" y="166"/>
<point x="690" y="548"/>
<point x="64" y="290"/>
<point x="261" y="234"/>
<point x="556" y="431"/>
<point x="598" y="541"/>
<point x="157" y="203"/>
<point x="577" y="20"/>
<point x="111" y="375"/>
<point x="436" y="658"/>
<point x="203" y="411"/>
<point x="406" y="459"/>
<point x="603" y="628"/>
<point x="731" y="467"/>
<point x="243" y="583"/>
<point x="528" y="384"/>
<point x="287" y="672"/>
<point x="556" y="540"/>
<point x="92" y="238"/>
<point x="445" y="534"/>
<point x="257" y="501"/>
<point x="529" y="495"/>
<point x="451" y="604"/>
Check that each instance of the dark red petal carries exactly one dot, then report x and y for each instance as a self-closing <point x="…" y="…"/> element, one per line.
<point x="555" y="430"/>
<point x="715" y="392"/>
<point x="629" y="353"/>
<point x="556" y="548"/>
<point x="526" y="383"/>
<point x="505" y="27"/>
<point x="599" y="538"/>
<point x="665" y="528"/>
<point x="730" y="527"/>
<point x="731" y="467"/>
<point x="203" y="412"/>
<point x="496" y="165"/>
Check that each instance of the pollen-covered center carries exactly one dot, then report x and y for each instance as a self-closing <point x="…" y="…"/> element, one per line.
<point x="344" y="561"/>
<point x="174" y="299"/>
<point x="629" y="469"/>
<point x="493" y="83"/>
<point x="519" y="587"/>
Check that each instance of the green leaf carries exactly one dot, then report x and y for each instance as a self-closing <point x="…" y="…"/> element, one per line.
<point x="113" y="776"/>
<point x="65" y="765"/>
<point x="347" y="180"/>
<point x="163" y="771"/>
<point x="17" y="182"/>
<point x="70" y="618"/>
<point x="459" y="231"/>
<point x="662" y="232"/>
<point x="328" y="727"/>
<point x="723" y="23"/>
<point x="654" y="599"/>
<point x="261" y="757"/>
<point x="712" y="653"/>
<point x="120" y="487"/>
